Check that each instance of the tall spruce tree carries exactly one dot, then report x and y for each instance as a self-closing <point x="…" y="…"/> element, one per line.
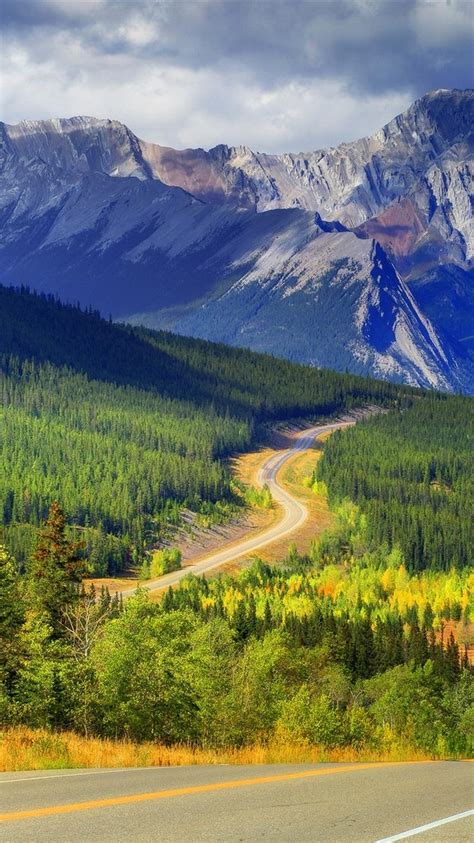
<point x="55" y="570"/>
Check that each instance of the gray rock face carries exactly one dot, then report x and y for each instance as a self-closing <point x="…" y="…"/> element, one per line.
<point x="427" y="153"/>
<point x="333" y="300"/>
<point x="357" y="180"/>
<point x="277" y="252"/>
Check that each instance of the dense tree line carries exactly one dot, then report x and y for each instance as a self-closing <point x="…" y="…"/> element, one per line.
<point x="362" y="640"/>
<point x="411" y="472"/>
<point x="115" y="456"/>
<point x="125" y="427"/>
<point x="223" y="662"/>
<point x="237" y="381"/>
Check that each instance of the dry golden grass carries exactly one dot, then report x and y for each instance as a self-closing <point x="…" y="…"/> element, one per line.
<point x="22" y="748"/>
<point x="113" y="583"/>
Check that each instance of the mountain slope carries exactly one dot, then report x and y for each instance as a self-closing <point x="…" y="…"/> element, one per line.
<point x="351" y="311"/>
<point x="179" y="238"/>
<point x="156" y="255"/>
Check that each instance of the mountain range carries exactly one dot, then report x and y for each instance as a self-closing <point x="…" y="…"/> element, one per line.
<point x="357" y="257"/>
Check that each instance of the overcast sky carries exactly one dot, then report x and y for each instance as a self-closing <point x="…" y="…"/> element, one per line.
<point x="275" y="75"/>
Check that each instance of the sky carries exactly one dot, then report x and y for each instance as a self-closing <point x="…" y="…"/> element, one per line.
<point x="275" y="75"/>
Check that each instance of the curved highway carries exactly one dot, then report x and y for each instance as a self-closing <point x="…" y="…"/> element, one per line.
<point x="294" y="514"/>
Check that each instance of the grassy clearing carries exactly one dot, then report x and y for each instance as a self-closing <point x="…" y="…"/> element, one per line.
<point x="22" y="748"/>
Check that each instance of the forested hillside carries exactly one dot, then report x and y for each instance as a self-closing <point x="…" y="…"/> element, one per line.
<point x="411" y="471"/>
<point x="345" y="648"/>
<point x="241" y="382"/>
<point x="125" y="427"/>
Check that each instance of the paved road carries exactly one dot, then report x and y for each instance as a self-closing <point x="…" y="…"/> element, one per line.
<point x="294" y="515"/>
<point x="318" y="803"/>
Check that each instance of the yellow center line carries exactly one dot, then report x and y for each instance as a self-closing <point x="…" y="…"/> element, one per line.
<point x="185" y="791"/>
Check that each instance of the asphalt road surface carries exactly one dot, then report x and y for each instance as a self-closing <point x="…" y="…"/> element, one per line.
<point x="294" y="515"/>
<point x="431" y="801"/>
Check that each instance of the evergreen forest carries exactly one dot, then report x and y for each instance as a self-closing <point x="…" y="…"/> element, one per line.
<point x="411" y="471"/>
<point x="141" y="421"/>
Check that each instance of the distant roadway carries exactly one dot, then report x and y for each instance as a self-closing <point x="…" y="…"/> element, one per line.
<point x="322" y="803"/>
<point x="294" y="514"/>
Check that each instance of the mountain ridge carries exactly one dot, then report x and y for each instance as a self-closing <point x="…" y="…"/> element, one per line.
<point x="85" y="201"/>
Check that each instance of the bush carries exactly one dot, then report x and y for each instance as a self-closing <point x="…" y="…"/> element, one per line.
<point x="164" y="561"/>
<point x="261" y="498"/>
<point x="313" y="721"/>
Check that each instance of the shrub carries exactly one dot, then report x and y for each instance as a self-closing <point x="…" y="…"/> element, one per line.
<point x="164" y="561"/>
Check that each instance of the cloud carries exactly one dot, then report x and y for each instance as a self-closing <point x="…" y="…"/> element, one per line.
<point x="272" y="74"/>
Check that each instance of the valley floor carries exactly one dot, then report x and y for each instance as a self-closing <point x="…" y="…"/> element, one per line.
<point x="293" y="477"/>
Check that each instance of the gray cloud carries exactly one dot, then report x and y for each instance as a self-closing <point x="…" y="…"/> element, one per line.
<point x="276" y="74"/>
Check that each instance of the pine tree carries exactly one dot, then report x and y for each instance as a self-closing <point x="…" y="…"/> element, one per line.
<point x="55" y="570"/>
<point x="252" y="616"/>
<point x="428" y="617"/>
<point x="364" y="657"/>
<point x="168" y="601"/>
<point x="267" y="617"/>
<point x="418" y="649"/>
<point x="241" y="626"/>
<point x="452" y="666"/>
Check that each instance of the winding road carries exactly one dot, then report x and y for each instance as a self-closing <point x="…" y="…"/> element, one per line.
<point x="294" y="514"/>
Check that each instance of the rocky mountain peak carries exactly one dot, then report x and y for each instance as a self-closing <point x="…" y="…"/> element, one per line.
<point x="181" y="238"/>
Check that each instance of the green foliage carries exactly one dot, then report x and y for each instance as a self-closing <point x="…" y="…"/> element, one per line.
<point x="12" y="611"/>
<point x="37" y="694"/>
<point x="54" y="570"/>
<point x="230" y="662"/>
<point x="310" y="720"/>
<point x="261" y="498"/>
<point x="209" y="513"/>
<point x="411" y="472"/>
<point x="129" y="454"/>
<point x="164" y="561"/>
<point x="143" y="686"/>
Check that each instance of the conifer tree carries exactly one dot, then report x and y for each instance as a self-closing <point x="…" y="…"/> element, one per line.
<point x="418" y="649"/>
<point x="252" y="616"/>
<point x="168" y="601"/>
<point x="241" y="626"/>
<point x="363" y="659"/>
<point x="55" y="570"/>
<point x="267" y="617"/>
<point x="452" y="660"/>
